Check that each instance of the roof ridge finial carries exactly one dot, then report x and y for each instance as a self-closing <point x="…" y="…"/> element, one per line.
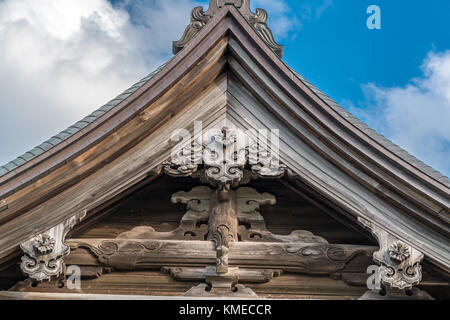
<point x="199" y="19"/>
<point x="242" y="5"/>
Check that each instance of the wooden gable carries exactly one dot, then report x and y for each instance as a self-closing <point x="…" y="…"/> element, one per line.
<point x="228" y="73"/>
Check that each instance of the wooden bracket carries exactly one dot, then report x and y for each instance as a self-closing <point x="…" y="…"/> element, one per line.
<point x="44" y="253"/>
<point x="399" y="262"/>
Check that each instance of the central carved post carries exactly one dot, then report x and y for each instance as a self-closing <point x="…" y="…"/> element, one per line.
<point x="223" y="221"/>
<point x="223" y="229"/>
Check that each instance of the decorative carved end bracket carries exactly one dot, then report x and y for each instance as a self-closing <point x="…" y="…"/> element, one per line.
<point x="257" y="20"/>
<point x="400" y="262"/>
<point x="44" y="253"/>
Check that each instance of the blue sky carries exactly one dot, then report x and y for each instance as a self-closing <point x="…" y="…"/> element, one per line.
<point x="368" y="71"/>
<point x="73" y="56"/>
<point x="338" y="53"/>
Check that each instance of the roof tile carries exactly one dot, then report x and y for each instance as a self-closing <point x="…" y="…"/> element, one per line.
<point x="10" y="166"/>
<point x="81" y="125"/>
<point x="131" y="90"/>
<point x="106" y="108"/>
<point x="63" y="135"/>
<point x="46" y="146"/>
<point x="89" y="119"/>
<point x="54" y="141"/>
<point x="71" y="130"/>
<point x="19" y="161"/>
<point x="114" y="102"/>
<point x="36" y="151"/>
<point x="3" y="171"/>
<point x="98" y="113"/>
<point x="27" y="156"/>
<point x="123" y="96"/>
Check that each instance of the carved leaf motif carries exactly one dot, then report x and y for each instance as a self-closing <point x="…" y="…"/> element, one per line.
<point x="199" y="19"/>
<point x="400" y="262"/>
<point x="337" y="253"/>
<point x="225" y="154"/>
<point x="311" y="251"/>
<point x="399" y="251"/>
<point x="175" y="170"/>
<point x="108" y="248"/>
<point x="222" y="259"/>
<point x="223" y="236"/>
<point x="44" y="253"/>
<point x="42" y="270"/>
<point x="402" y="279"/>
<point x="44" y="244"/>
<point x="259" y="23"/>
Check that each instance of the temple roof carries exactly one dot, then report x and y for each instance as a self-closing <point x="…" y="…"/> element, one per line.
<point x="64" y="135"/>
<point x="228" y="68"/>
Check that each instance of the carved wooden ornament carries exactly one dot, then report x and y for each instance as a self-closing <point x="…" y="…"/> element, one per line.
<point x="400" y="262"/>
<point x="44" y="253"/>
<point x="223" y="217"/>
<point x="219" y="157"/>
<point x="257" y="20"/>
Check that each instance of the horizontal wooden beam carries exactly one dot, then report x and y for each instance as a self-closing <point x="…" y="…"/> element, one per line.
<point x="310" y="258"/>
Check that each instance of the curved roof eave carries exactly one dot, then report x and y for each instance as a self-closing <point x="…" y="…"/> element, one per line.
<point x="379" y="138"/>
<point x="75" y="128"/>
<point x="60" y="138"/>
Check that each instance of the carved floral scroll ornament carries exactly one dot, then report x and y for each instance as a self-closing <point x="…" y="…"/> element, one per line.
<point x="141" y="254"/>
<point x="398" y="251"/>
<point x="44" y="253"/>
<point x="237" y="234"/>
<point x="258" y="21"/>
<point x="220" y="159"/>
<point x="400" y="262"/>
<point x="238" y="219"/>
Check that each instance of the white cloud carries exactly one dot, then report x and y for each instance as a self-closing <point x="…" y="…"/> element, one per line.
<point x="62" y="59"/>
<point x="282" y="19"/>
<point x="417" y="115"/>
<point x="321" y="9"/>
<point x="313" y="9"/>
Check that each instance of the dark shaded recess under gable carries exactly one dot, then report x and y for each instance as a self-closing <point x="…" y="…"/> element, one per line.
<point x="151" y="206"/>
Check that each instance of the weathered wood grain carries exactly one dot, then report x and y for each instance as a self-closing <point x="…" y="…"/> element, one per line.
<point x="134" y="254"/>
<point x="323" y="151"/>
